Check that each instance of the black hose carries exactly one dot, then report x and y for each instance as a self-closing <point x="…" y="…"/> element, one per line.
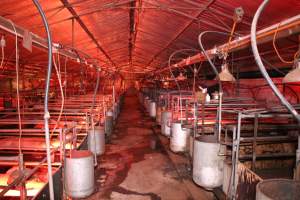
<point x="46" y="114"/>
<point x="169" y="64"/>
<point x="214" y="68"/>
<point x="261" y="66"/>
<point x="219" y="114"/>
<point x="95" y="91"/>
<point x="92" y="110"/>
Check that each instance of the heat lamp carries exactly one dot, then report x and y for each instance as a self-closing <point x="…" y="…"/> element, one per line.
<point x="294" y="75"/>
<point x="181" y="77"/>
<point x="225" y="74"/>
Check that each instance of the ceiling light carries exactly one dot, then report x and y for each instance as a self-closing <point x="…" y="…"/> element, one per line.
<point x="225" y="74"/>
<point x="168" y="79"/>
<point x="294" y="75"/>
<point x="181" y="77"/>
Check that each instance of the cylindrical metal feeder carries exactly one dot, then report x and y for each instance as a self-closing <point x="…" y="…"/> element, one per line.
<point x="96" y="141"/>
<point x="165" y="123"/>
<point x="152" y="109"/>
<point x="207" y="163"/>
<point x="178" y="141"/>
<point x="278" y="189"/>
<point x="79" y="174"/>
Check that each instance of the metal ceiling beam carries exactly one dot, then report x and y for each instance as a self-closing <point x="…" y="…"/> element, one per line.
<point x="180" y="32"/>
<point x="183" y="14"/>
<point x="134" y="15"/>
<point x="32" y="15"/>
<point x="85" y="28"/>
<point x="105" y="7"/>
<point x="131" y="30"/>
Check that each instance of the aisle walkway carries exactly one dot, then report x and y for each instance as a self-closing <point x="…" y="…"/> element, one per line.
<point x="130" y="169"/>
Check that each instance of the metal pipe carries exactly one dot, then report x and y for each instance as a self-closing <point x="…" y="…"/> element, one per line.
<point x="195" y="126"/>
<point x="23" y="193"/>
<point x="36" y="40"/>
<point x="12" y="184"/>
<point x="22" y="177"/>
<point x="297" y="167"/>
<point x="233" y="165"/>
<point x="287" y="27"/>
<point x="238" y="132"/>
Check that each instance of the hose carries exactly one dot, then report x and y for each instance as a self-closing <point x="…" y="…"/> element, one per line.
<point x="2" y="59"/>
<point x="261" y="66"/>
<point x="219" y="116"/>
<point x="57" y="70"/>
<point x="46" y="111"/>
<point x="277" y="51"/>
<point x="177" y="84"/>
<point x="92" y="110"/>
<point x="17" y="87"/>
<point x="96" y="89"/>
<point x="23" y="192"/>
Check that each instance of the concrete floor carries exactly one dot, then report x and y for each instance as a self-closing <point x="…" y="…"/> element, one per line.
<point x="131" y="170"/>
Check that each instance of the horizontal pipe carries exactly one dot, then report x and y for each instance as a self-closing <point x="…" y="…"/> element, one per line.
<point x="29" y="163"/>
<point x="266" y="156"/>
<point x="9" y="158"/>
<point x="287" y="27"/>
<point x="36" y="40"/>
<point x="269" y="139"/>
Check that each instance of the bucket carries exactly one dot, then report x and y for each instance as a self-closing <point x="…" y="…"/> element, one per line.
<point x="96" y="142"/>
<point x="79" y="174"/>
<point x="207" y="164"/>
<point x="278" y="189"/>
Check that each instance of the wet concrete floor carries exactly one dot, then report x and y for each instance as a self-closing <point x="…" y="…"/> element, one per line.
<point x="130" y="169"/>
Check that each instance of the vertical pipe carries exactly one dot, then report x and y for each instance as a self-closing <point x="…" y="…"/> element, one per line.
<point x="195" y="126"/>
<point x="202" y="116"/>
<point x="73" y="33"/>
<point x="180" y="107"/>
<point x="114" y="97"/>
<point x="186" y="113"/>
<point x="238" y="137"/>
<point x="94" y="135"/>
<point x="61" y="145"/>
<point x="233" y="165"/>
<point x="62" y="163"/>
<point x="87" y="122"/>
<point x="74" y="136"/>
<point x="220" y="115"/>
<point x="254" y="142"/>
<point x="297" y="167"/>
<point x="23" y="193"/>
